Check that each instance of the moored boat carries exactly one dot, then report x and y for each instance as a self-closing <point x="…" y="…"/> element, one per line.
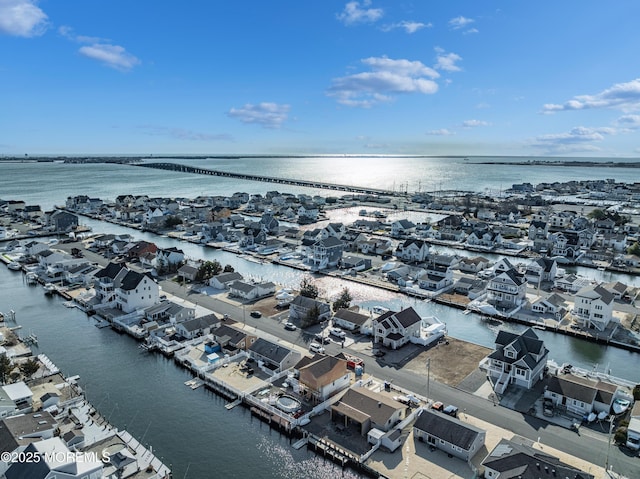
<point x="14" y="266"/>
<point x="620" y="405"/>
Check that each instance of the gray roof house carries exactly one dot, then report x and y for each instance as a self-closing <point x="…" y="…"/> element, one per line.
<point x="395" y="328"/>
<point x="517" y="359"/>
<point x="511" y="460"/>
<point x="448" y="434"/>
<point x="301" y="305"/>
<point x="197" y="326"/>
<point x="276" y="358"/>
<point x="347" y="319"/>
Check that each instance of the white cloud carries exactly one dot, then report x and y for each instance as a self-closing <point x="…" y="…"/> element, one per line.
<point x="67" y="32"/>
<point x="22" y="18"/>
<point x="387" y="76"/>
<point x="474" y="123"/>
<point x="471" y="31"/>
<point x="621" y="96"/>
<point x="409" y="27"/>
<point x="182" y="134"/>
<point x="353" y="14"/>
<point x="113" y="56"/>
<point x="447" y="61"/>
<point x="578" y="139"/>
<point x="460" y="22"/>
<point x="440" y="132"/>
<point x="268" y="115"/>
<point x="629" y="122"/>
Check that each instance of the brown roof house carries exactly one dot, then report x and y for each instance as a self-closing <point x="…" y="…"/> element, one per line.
<point x="368" y="410"/>
<point x="323" y="377"/>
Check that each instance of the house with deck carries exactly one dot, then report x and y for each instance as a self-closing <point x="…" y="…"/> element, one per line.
<point x="507" y="290"/>
<point x="413" y="251"/>
<point x="197" y="326"/>
<point x="518" y="359"/>
<point x="593" y="307"/>
<point x="394" y="329"/>
<point x="367" y="409"/>
<point x="273" y="356"/>
<point x="322" y="377"/>
<point x="580" y="395"/>
<point x="448" y="434"/>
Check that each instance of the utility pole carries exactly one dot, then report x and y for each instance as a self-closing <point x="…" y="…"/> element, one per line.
<point x="428" y="375"/>
<point x="606" y="463"/>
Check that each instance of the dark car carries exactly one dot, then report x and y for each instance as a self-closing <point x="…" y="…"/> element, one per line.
<point x="322" y="339"/>
<point x="451" y="410"/>
<point x="255" y="314"/>
<point x="378" y="353"/>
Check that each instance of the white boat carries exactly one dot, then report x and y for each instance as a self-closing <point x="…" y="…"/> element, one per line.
<point x="602" y="415"/>
<point x="49" y="289"/>
<point x="620" y="405"/>
<point x="14" y="266"/>
<point x="591" y="417"/>
<point x="31" y="278"/>
<point x="379" y="310"/>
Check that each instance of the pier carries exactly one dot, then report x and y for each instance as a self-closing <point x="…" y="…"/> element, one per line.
<point x="272" y="179"/>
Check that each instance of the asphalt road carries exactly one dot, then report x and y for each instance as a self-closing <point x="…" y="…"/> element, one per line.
<point x="587" y="445"/>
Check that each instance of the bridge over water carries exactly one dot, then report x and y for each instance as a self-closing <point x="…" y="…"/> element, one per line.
<point x="272" y="179"/>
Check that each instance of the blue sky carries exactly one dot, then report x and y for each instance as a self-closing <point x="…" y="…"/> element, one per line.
<point x="555" y="78"/>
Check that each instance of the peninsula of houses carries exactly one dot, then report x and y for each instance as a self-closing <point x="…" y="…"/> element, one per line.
<point x="325" y="391"/>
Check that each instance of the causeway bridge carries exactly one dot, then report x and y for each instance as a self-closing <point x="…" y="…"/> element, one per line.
<point x="271" y="179"/>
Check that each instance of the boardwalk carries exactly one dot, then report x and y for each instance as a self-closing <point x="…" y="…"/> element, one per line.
<point x="272" y="179"/>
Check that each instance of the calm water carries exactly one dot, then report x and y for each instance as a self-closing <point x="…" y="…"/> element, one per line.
<point x="145" y="393"/>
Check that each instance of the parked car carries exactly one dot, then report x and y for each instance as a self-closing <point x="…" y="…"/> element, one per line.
<point x="437" y="406"/>
<point x="451" y="411"/>
<point x="319" y="338"/>
<point x="337" y="332"/>
<point x="255" y="314"/>
<point x="316" y="348"/>
<point x="378" y="353"/>
<point x="547" y="407"/>
<point x="290" y="326"/>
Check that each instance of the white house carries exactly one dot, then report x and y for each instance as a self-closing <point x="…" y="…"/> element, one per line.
<point x="413" y="250"/>
<point x="326" y="253"/>
<point x="136" y="291"/>
<point x="507" y="289"/>
<point x="368" y="409"/>
<point x="517" y="359"/>
<point x="593" y="307"/>
<point x="223" y="280"/>
<point x="350" y="320"/>
<point x="448" y="434"/>
<point x="402" y="227"/>
<point x="395" y="329"/>
<point x="251" y="291"/>
<point x="322" y="377"/>
<point x="197" y="326"/>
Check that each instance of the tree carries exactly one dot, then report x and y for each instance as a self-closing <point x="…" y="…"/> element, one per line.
<point x="308" y="288"/>
<point x="312" y="317"/>
<point x="5" y="368"/>
<point x="172" y="221"/>
<point x="634" y="249"/>
<point x="228" y="269"/>
<point x="636" y="392"/>
<point x="597" y="214"/>
<point x="208" y="269"/>
<point x="344" y="300"/>
<point x="29" y="368"/>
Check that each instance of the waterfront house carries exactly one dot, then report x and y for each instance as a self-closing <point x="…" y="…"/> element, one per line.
<point x="507" y="290"/>
<point x="301" y="306"/>
<point x="413" y="251"/>
<point x="322" y="377"/>
<point x="54" y="460"/>
<point x="402" y="227"/>
<point x="487" y="239"/>
<point x="61" y="221"/>
<point x="448" y="434"/>
<point x="517" y="359"/>
<point x="32" y="248"/>
<point x="554" y="305"/>
<point x="580" y="395"/>
<point x="355" y="263"/>
<point x="538" y="230"/>
<point x="7" y="406"/>
<point x="251" y="291"/>
<point x="347" y="319"/>
<point x="326" y="253"/>
<point x="307" y="212"/>
<point x="367" y="409"/>
<point x="541" y="270"/>
<point x="470" y="287"/>
<point x="188" y="272"/>
<point x="395" y="329"/>
<point x="139" y="248"/>
<point x="593" y="307"/>
<point x="20" y="395"/>
<point x="616" y="288"/>
<point x="473" y="265"/>
<point x="167" y="257"/>
<point x="274" y="357"/>
<point x="105" y="282"/>
<point x="136" y="291"/>
<point x="439" y="272"/>
<point x="223" y="280"/>
<point x="195" y="327"/>
<point x="571" y="283"/>
<point x="512" y="460"/>
<point x="168" y="312"/>
<point x="232" y="339"/>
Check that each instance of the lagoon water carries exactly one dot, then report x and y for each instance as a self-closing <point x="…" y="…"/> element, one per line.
<point x="145" y="393"/>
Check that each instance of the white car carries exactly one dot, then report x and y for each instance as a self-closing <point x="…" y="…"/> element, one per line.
<point x="337" y="332"/>
<point x="316" y="348"/>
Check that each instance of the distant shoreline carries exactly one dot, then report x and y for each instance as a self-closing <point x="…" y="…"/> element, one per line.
<point x="588" y="164"/>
